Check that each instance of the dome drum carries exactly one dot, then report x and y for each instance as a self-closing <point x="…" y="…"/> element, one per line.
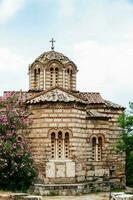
<point x="52" y="69"/>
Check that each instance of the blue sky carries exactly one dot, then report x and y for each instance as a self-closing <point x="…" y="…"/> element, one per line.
<point x="96" y="34"/>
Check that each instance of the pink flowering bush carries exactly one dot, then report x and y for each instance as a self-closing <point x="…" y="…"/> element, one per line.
<point x="17" y="171"/>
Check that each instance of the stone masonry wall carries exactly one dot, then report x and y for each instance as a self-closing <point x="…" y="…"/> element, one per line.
<point x="72" y="117"/>
<point x="114" y="162"/>
<point x="46" y="119"/>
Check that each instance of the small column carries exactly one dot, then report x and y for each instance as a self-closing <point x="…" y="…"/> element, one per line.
<point x="74" y="81"/>
<point x="66" y="79"/>
<point x="44" y="79"/>
<point x="41" y="79"/>
<point x="29" y="79"/>
<point x="32" y="84"/>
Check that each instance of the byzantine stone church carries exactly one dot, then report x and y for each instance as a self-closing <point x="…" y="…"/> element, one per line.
<point x="73" y="134"/>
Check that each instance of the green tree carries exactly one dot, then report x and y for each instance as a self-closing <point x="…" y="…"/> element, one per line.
<point x="17" y="171"/>
<point x="126" y="142"/>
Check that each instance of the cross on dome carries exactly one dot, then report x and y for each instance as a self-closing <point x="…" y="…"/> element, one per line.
<point x="52" y="42"/>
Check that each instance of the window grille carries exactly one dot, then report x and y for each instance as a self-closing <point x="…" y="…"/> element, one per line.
<point x="59" y="146"/>
<point x="66" y="147"/>
<point x="53" y="145"/>
<point x="37" y="78"/>
<point x="97" y="148"/>
<point x="93" y="148"/>
<point x="51" y="76"/>
<point x="54" y="76"/>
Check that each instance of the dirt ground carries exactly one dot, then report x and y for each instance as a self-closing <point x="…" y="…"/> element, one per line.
<point x="99" y="196"/>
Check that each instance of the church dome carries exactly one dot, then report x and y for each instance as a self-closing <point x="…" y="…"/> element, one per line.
<point x="48" y="56"/>
<point x="52" y="69"/>
<point x="52" y="55"/>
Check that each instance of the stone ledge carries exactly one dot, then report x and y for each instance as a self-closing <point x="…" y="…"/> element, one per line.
<point x="70" y="189"/>
<point x="4" y="196"/>
<point x="121" y="196"/>
<point x="61" y="184"/>
<point x="19" y="196"/>
<point x="33" y="197"/>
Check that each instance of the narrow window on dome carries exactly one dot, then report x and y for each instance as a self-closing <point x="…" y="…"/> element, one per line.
<point x="38" y="78"/>
<point x="68" y="78"/>
<point x="51" y="76"/>
<point x="71" y="80"/>
<point x="35" y="78"/>
<point x="56" y="75"/>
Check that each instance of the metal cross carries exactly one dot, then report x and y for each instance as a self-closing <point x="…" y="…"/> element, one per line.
<point x="52" y="42"/>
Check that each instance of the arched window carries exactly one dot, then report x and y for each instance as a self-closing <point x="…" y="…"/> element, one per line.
<point x="54" y="75"/>
<point x="51" y="76"/>
<point x="69" y="78"/>
<point x="53" y="145"/>
<point x="93" y="148"/>
<point x="37" y="77"/>
<point x="99" y="148"/>
<point x="59" y="145"/>
<point x="71" y="83"/>
<point x="97" y="143"/>
<point x="66" y="145"/>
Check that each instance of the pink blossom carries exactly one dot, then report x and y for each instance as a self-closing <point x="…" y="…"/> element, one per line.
<point x="3" y="119"/>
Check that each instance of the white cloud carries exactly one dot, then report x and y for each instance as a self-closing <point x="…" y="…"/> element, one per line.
<point x="67" y="7"/>
<point x="97" y="34"/>
<point x="8" y="8"/>
<point x="108" y="21"/>
<point x="13" y="70"/>
<point x="102" y="40"/>
<point x="106" y="68"/>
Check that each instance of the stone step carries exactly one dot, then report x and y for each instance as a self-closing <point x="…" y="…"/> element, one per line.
<point x="23" y="196"/>
<point x="61" y="189"/>
<point x="19" y="196"/>
<point x="33" y="197"/>
<point x="5" y="197"/>
<point x="122" y="196"/>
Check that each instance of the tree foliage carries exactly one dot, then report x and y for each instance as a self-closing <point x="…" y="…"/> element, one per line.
<point x="126" y="142"/>
<point x="17" y="171"/>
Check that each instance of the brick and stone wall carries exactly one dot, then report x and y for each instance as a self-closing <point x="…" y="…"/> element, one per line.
<point x="73" y="118"/>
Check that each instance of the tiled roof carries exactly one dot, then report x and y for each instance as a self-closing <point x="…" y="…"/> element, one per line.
<point x="94" y="114"/>
<point x="91" y="98"/>
<point x="55" y="95"/>
<point x="96" y="98"/>
<point x="82" y="97"/>
<point x="110" y="104"/>
<point x="52" y="55"/>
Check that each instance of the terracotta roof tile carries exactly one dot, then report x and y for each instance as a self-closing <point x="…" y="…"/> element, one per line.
<point x="54" y="95"/>
<point x="91" y="98"/>
<point x="110" y="104"/>
<point x="94" y="114"/>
